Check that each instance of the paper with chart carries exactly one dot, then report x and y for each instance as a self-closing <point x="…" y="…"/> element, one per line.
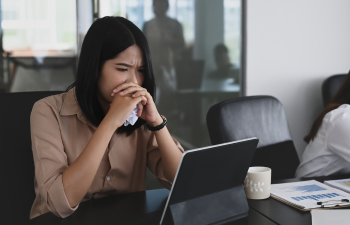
<point x="343" y="184"/>
<point x="306" y="194"/>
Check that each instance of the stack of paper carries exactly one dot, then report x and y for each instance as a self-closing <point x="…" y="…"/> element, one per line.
<point x="340" y="184"/>
<point x="330" y="216"/>
<point x="306" y="194"/>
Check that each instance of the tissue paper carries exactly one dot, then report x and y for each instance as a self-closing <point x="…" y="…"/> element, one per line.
<point x="132" y="118"/>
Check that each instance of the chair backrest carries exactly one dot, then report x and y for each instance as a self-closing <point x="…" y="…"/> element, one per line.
<point x="330" y="86"/>
<point x="17" y="166"/>
<point x="256" y="116"/>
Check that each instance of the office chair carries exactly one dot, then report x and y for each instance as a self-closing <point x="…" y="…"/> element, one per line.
<point x="16" y="159"/>
<point x="17" y="165"/>
<point x="330" y="86"/>
<point x="256" y="116"/>
<point x="46" y="66"/>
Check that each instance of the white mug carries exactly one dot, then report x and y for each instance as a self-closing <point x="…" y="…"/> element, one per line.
<point x="258" y="182"/>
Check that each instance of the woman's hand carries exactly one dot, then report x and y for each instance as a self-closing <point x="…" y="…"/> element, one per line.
<point x="147" y="108"/>
<point x="170" y="153"/>
<point x="121" y="108"/>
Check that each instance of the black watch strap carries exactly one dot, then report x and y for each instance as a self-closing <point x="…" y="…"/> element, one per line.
<point x="159" y="127"/>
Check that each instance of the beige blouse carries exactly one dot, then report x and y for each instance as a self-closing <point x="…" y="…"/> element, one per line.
<point x="60" y="132"/>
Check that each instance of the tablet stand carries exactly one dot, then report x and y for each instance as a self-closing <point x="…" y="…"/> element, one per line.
<point x="217" y="208"/>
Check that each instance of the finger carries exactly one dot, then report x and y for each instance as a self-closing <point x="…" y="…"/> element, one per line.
<point x="131" y="90"/>
<point x="138" y="102"/>
<point x="139" y="99"/>
<point x="124" y="86"/>
<point x="144" y="101"/>
<point x="139" y="93"/>
<point x="139" y="111"/>
<point x="149" y="97"/>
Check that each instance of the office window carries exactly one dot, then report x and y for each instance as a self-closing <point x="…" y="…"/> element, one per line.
<point x="195" y="47"/>
<point x="40" y="44"/>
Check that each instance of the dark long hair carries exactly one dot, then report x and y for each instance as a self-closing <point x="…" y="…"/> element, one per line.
<point x="105" y="39"/>
<point x="341" y="97"/>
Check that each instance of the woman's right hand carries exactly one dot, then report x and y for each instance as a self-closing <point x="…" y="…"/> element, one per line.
<point x="121" y="108"/>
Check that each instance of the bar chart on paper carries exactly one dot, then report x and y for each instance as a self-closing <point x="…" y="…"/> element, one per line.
<point x="313" y="188"/>
<point x="343" y="184"/>
<point x="306" y="194"/>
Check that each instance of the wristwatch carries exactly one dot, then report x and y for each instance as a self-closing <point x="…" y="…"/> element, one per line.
<point x="159" y="127"/>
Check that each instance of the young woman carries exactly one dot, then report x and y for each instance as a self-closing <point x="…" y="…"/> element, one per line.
<point x="328" y="151"/>
<point x="81" y="147"/>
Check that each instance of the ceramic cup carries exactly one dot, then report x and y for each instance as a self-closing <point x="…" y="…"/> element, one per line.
<point x="258" y="182"/>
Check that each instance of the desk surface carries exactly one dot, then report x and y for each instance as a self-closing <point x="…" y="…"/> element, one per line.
<point x="133" y="208"/>
<point x="281" y="213"/>
<point x="127" y="209"/>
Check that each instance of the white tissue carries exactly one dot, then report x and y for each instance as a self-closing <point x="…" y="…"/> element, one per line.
<point x="132" y="118"/>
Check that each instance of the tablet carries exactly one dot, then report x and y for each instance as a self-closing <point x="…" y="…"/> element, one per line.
<point x="208" y="170"/>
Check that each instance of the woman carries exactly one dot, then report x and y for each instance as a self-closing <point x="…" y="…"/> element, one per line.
<point x="328" y="151"/>
<point x="81" y="147"/>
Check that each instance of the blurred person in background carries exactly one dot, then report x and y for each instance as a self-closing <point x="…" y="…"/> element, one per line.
<point x="224" y="68"/>
<point x="166" y="41"/>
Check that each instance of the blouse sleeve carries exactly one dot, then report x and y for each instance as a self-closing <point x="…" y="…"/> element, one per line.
<point x="338" y="135"/>
<point x="154" y="160"/>
<point x="49" y="158"/>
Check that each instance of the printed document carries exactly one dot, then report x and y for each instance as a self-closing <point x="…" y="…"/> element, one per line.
<point x="343" y="184"/>
<point x="306" y="194"/>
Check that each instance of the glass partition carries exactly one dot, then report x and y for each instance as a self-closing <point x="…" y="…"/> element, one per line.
<point x="39" y="42"/>
<point x="195" y="47"/>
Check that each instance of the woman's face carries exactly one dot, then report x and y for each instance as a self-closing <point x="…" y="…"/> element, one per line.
<point x="128" y="66"/>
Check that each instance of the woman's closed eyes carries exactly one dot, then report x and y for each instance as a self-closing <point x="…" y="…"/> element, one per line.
<point x="124" y="70"/>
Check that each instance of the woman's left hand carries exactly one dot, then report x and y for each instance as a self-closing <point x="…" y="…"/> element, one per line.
<point x="147" y="110"/>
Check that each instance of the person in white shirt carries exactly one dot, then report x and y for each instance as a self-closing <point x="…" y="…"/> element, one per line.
<point x="328" y="151"/>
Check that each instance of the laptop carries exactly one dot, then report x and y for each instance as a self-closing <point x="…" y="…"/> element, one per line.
<point x="205" y="171"/>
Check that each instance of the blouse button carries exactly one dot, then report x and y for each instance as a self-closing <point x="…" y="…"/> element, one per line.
<point x="108" y="178"/>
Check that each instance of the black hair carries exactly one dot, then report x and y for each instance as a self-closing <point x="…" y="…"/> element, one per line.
<point x="105" y="39"/>
<point x="341" y="97"/>
<point x="220" y="48"/>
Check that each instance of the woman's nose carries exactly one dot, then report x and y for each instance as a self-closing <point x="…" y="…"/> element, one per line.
<point x="133" y="78"/>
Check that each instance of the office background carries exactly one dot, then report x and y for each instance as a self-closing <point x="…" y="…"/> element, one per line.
<point x="196" y="51"/>
<point x="292" y="47"/>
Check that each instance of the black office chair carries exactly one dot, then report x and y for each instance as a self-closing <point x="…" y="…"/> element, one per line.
<point x="16" y="158"/>
<point x="17" y="165"/>
<point x="330" y="86"/>
<point x="257" y="116"/>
